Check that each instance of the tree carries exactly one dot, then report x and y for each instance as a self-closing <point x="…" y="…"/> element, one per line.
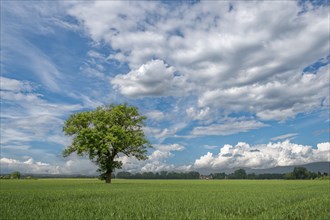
<point x="106" y="133"/>
<point x="251" y="176"/>
<point x="124" y="175"/>
<point x="218" y="175"/>
<point x="289" y="176"/>
<point x="240" y="174"/>
<point x="16" y="175"/>
<point x="300" y="173"/>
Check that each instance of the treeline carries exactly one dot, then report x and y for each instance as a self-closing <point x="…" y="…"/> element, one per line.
<point x="297" y="173"/>
<point x="18" y="175"/>
<point x="158" y="175"/>
<point x="303" y="173"/>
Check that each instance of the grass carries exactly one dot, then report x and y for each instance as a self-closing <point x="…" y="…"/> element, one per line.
<point x="164" y="199"/>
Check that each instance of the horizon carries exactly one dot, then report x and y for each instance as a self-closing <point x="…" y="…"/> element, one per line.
<point x="224" y="84"/>
<point x="311" y="167"/>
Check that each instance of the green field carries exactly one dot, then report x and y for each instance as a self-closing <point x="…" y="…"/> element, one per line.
<point x="164" y="199"/>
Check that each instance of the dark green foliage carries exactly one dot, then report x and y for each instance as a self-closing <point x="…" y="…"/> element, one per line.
<point x="219" y="175"/>
<point x="161" y="175"/>
<point x="251" y="176"/>
<point x="124" y="175"/>
<point x="15" y="175"/>
<point x="269" y="176"/>
<point x="106" y="132"/>
<point x="300" y="173"/>
<point x="240" y="174"/>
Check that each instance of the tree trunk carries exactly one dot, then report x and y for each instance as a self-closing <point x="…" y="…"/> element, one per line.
<point x="108" y="178"/>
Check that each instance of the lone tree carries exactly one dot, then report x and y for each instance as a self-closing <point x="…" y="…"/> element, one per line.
<point x="106" y="133"/>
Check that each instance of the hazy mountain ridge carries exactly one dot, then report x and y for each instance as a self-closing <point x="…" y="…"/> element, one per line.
<point x="323" y="167"/>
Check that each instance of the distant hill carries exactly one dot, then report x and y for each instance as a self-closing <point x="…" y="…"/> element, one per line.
<point x="323" y="167"/>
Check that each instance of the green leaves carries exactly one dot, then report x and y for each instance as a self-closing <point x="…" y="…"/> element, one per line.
<point x="105" y="132"/>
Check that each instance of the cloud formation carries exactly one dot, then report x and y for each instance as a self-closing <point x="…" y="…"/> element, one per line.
<point x="263" y="156"/>
<point x="224" y="49"/>
<point x="242" y="155"/>
<point x="30" y="166"/>
<point x="155" y="78"/>
<point x="28" y="117"/>
<point x="156" y="161"/>
<point x="200" y="71"/>
<point x="228" y="127"/>
<point x="289" y="136"/>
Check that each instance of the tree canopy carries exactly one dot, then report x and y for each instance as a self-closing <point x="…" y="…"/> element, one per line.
<point x="16" y="175"/>
<point x="106" y="133"/>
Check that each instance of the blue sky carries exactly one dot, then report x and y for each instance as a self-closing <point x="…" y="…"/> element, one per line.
<point x="224" y="84"/>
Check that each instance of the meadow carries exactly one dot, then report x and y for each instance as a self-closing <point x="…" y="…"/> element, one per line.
<point x="164" y="199"/>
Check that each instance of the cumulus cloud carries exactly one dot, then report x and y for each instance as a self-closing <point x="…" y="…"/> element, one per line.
<point x="277" y="99"/>
<point x="212" y="61"/>
<point x="263" y="155"/>
<point x="324" y="147"/>
<point x="236" y="60"/>
<point x="156" y="161"/>
<point x="242" y="155"/>
<point x="155" y="78"/>
<point x="72" y="166"/>
<point x="29" y="166"/>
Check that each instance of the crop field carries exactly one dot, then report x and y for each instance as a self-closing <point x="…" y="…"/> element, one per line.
<point x="164" y="199"/>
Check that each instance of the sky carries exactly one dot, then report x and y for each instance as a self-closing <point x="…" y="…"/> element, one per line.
<point x="224" y="84"/>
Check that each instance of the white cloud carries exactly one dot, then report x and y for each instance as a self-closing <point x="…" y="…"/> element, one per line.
<point x="77" y="165"/>
<point x="201" y="114"/>
<point x="235" y="60"/>
<point x="289" y="136"/>
<point x="210" y="60"/>
<point x="229" y="157"/>
<point x="210" y="147"/>
<point x="155" y="78"/>
<point x="161" y="134"/>
<point x="15" y="85"/>
<point x="158" y="134"/>
<point x="155" y="115"/>
<point x="159" y="155"/>
<point x="29" y="166"/>
<point x="262" y="156"/>
<point x="36" y="62"/>
<point x="169" y="147"/>
<point x="26" y="116"/>
<point x="156" y="161"/>
<point x="278" y="99"/>
<point x="228" y="127"/>
<point x="324" y="147"/>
